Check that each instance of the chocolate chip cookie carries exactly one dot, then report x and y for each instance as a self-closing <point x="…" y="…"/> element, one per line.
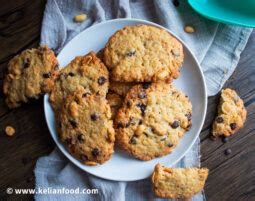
<point x="86" y="128"/>
<point x="176" y="183"/>
<point x="231" y="114"/>
<point x="152" y="120"/>
<point x="86" y="72"/>
<point x="27" y="75"/>
<point x="143" y="53"/>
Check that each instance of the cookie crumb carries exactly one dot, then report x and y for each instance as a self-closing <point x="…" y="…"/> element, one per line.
<point x="80" y="18"/>
<point x="189" y="29"/>
<point x="9" y="130"/>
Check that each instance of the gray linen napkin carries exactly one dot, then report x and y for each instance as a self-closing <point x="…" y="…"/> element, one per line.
<point x="216" y="46"/>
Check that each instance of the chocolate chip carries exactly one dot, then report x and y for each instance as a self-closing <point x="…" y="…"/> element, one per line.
<point x="71" y="74"/>
<point x="228" y="151"/>
<point x="94" y="117"/>
<point x="133" y="140"/>
<point x="81" y="138"/>
<point x="176" y="3"/>
<point x="101" y="80"/>
<point x="95" y="152"/>
<point x="233" y="126"/>
<point x="86" y="95"/>
<point x="170" y="144"/>
<point x="175" y="124"/>
<point x="26" y="63"/>
<point x="142" y="95"/>
<point x="69" y="141"/>
<point x="120" y="125"/>
<point x="225" y="139"/>
<point x="84" y="157"/>
<point x="142" y="108"/>
<point x="131" y="53"/>
<point x="73" y="123"/>
<point x="129" y="103"/>
<point x="46" y="75"/>
<point x="188" y="115"/>
<point x="219" y="119"/>
<point x="146" y="85"/>
<point x="140" y="122"/>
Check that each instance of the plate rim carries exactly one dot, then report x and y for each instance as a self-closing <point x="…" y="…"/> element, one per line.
<point x="75" y="161"/>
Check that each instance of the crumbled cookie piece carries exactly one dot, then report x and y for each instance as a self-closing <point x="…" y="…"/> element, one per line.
<point x="152" y="119"/>
<point x="28" y="74"/>
<point x="231" y="114"/>
<point x="9" y="130"/>
<point x="143" y="53"/>
<point x="176" y="183"/>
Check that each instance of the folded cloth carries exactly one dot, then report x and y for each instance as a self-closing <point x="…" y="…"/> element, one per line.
<point x="216" y="46"/>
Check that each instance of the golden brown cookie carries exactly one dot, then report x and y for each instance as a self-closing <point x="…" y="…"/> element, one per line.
<point x="152" y="120"/>
<point x="86" y="128"/>
<point x="176" y="183"/>
<point x="86" y="72"/>
<point x="231" y="114"/>
<point x="27" y="75"/>
<point x="143" y="53"/>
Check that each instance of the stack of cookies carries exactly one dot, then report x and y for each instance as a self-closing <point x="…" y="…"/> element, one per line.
<point x="123" y="95"/>
<point x="150" y="115"/>
<point x="124" y="92"/>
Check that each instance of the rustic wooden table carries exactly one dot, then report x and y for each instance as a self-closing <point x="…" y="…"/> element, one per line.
<point x="231" y="177"/>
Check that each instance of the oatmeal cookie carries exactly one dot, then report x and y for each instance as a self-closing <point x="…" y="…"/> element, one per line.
<point x="231" y="114"/>
<point x="86" y="72"/>
<point x="152" y="120"/>
<point x="86" y="128"/>
<point x="143" y="53"/>
<point x="27" y="75"/>
<point x="176" y="183"/>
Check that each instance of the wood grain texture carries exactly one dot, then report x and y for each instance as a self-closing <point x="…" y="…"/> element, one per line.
<point x="20" y="24"/>
<point x="231" y="177"/>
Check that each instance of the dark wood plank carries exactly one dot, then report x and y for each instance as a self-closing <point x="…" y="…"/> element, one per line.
<point x="20" y="23"/>
<point x="232" y="177"/>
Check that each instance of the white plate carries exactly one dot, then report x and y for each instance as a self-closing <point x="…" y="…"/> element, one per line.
<point x="122" y="167"/>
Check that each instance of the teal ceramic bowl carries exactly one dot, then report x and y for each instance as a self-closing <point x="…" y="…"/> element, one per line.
<point x="236" y="12"/>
